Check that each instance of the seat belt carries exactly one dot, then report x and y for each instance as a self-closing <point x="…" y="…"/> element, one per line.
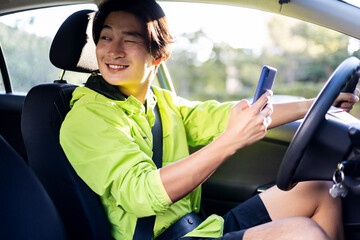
<point x="145" y="226"/>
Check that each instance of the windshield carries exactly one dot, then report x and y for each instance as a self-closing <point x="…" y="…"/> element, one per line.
<point x="355" y="3"/>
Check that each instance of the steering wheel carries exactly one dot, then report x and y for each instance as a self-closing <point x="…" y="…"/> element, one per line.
<point x="313" y="119"/>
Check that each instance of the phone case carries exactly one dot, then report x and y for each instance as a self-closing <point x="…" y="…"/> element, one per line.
<point x="266" y="81"/>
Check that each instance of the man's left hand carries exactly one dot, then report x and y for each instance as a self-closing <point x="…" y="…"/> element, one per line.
<point x="347" y="100"/>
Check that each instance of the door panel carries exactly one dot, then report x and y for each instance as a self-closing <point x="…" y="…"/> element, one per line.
<point x="10" y="121"/>
<point x="250" y="170"/>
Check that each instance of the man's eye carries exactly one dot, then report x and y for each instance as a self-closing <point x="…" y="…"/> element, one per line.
<point x="130" y="41"/>
<point x="105" y="38"/>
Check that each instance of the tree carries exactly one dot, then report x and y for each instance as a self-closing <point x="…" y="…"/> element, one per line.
<point x="27" y="58"/>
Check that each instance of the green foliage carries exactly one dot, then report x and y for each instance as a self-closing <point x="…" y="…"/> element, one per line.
<point x="26" y="58"/>
<point x="304" y="54"/>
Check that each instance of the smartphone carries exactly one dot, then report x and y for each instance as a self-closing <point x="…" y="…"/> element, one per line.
<point x="266" y="81"/>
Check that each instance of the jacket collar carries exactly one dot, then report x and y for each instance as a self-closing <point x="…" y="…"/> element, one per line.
<point x="130" y="104"/>
<point x="98" y="84"/>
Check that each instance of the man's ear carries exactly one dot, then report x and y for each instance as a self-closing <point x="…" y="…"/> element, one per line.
<point x="157" y="61"/>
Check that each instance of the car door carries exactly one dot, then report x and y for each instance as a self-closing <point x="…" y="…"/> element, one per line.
<point x="10" y="110"/>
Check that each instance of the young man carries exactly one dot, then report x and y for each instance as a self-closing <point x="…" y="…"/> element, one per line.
<point x="107" y="138"/>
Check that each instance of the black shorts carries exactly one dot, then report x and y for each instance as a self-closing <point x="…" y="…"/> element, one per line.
<point x="246" y="215"/>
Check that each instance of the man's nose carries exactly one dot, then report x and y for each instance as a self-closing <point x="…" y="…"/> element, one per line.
<point x="117" y="49"/>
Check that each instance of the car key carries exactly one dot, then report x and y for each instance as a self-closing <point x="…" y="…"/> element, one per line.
<point x="339" y="188"/>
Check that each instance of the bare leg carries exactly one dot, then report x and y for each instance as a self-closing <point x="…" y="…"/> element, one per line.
<point x="307" y="199"/>
<point x="294" y="228"/>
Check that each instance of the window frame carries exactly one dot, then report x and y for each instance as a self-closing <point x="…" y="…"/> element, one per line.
<point x="4" y="73"/>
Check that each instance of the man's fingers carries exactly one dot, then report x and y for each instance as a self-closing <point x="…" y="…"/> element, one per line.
<point x="243" y="104"/>
<point x="261" y="103"/>
<point x="350" y="97"/>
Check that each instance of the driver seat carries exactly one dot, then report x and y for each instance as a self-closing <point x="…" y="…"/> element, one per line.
<point x="45" y="108"/>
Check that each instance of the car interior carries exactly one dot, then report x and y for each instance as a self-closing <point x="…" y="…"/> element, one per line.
<point x="31" y="155"/>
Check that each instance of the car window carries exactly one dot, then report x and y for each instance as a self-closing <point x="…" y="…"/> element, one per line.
<point x="26" y="38"/>
<point x="221" y="57"/>
<point x="213" y="57"/>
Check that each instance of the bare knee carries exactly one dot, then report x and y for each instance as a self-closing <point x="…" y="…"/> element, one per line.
<point x="306" y="199"/>
<point x="319" y="191"/>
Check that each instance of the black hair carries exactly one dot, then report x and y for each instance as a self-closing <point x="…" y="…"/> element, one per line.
<point x="150" y="14"/>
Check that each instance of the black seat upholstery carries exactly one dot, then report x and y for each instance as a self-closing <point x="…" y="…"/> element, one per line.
<point x="44" y="110"/>
<point x="26" y="211"/>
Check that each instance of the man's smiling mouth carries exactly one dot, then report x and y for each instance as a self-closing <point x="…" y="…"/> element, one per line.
<point x="117" y="66"/>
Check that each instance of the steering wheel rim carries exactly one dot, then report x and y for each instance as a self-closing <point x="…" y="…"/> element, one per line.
<point x="312" y="120"/>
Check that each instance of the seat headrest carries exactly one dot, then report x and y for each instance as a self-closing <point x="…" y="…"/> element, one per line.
<point x="73" y="47"/>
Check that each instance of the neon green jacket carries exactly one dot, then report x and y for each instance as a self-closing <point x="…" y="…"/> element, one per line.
<point x="109" y="144"/>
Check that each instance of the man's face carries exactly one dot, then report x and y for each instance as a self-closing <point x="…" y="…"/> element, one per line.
<point x="122" y="53"/>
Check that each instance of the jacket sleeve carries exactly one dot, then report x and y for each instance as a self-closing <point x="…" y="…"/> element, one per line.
<point x="100" y="145"/>
<point x="203" y="121"/>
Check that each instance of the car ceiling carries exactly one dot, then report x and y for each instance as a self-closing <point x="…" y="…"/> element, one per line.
<point x="328" y="13"/>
